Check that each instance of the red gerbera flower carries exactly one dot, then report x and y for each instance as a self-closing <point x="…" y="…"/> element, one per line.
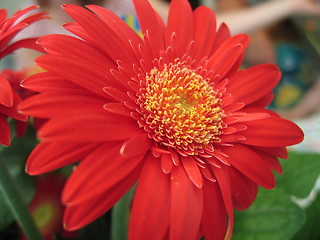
<point x="9" y="99"/>
<point x="171" y="111"/>
<point x="14" y="78"/>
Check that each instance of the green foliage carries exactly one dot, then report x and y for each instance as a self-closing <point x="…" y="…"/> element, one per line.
<point x="300" y="172"/>
<point x="272" y="216"/>
<point x="15" y="157"/>
<point x="310" y="229"/>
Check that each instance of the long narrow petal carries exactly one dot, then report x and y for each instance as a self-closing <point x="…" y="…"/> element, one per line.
<point x="150" y="22"/>
<point x="250" y="164"/>
<point x="104" y="36"/>
<point x="90" y="77"/>
<point x="55" y="44"/>
<point x="204" y="38"/>
<point x="227" y="54"/>
<point x="280" y="152"/>
<point x="48" y="105"/>
<point x="150" y="211"/>
<point x="118" y="108"/>
<point x="244" y="191"/>
<point x="186" y="206"/>
<point x="112" y="169"/>
<point x="13" y="110"/>
<point x="272" y="132"/>
<point x="78" y="216"/>
<point x="89" y="126"/>
<point x="269" y="156"/>
<point x="225" y="188"/>
<point x="47" y="157"/>
<point x="45" y="81"/>
<point x="222" y="35"/>
<point x="116" y="24"/>
<point x="29" y="43"/>
<point x="214" y="216"/>
<point x="5" y="138"/>
<point x="192" y="170"/>
<point x="180" y="22"/>
<point x="253" y="83"/>
<point x="137" y="145"/>
<point x="6" y="96"/>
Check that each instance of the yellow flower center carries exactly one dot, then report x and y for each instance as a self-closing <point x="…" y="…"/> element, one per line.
<point x="181" y="108"/>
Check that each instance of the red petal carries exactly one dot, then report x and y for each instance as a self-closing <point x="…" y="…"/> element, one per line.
<point x="166" y="163"/>
<point x="29" y="43"/>
<point x="48" y="105"/>
<point x="192" y="170"/>
<point x="21" y="128"/>
<point x="253" y="83"/>
<point x="47" y="157"/>
<point x="90" y="77"/>
<point x="116" y="94"/>
<point x="252" y="116"/>
<point x="244" y="191"/>
<point x="214" y="217"/>
<point x="5" y="138"/>
<point x="104" y="36"/>
<point x="264" y="101"/>
<point x="222" y="35"/>
<point x="57" y="44"/>
<point x="272" y="132"/>
<point x="227" y="54"/>
<point x="13" y="111"/>
<point x="116" y="24"/>
<point x="78" y="216"/>
<point x="280" y="152"/>
<point x="137" y="145"/>
<point x="150" y="211"/>
<point x="118" y="108"/>
<point x="250" y="164"/>
<point x="225" y="188"/>
<point x="204" y="38"/>
<point x="6" y="96"/>
<point x="100" y="171"/>
<point x="45" y="81"/>
<point x="150" y="21"/>
<point x="89" y="126"/>
<point x="180" y="22"/>
<point x="186" y="206"/>
<point x="270" y="158"/>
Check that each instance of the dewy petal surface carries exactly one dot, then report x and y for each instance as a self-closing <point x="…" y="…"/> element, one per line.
<point x="170" y="110"/>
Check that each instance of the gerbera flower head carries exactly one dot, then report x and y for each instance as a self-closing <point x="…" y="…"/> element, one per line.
<point x="9" y="98"/>
<point x="170" y="110"/>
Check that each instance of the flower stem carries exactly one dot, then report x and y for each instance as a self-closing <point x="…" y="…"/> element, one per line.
<point x="16" y="203"/>
<point x="120" y="216"/>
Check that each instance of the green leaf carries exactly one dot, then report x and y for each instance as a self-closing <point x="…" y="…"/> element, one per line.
<point x="15" y="157"/>
<point x="300" y="173"/>
<point x="310" y="229"/>
<point x="272" y="216"/>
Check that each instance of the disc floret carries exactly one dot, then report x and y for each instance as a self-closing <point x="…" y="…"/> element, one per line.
<point x="181" y="108"/>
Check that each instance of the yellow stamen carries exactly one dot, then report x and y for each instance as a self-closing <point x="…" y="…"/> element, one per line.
<point x="180" y="106"/>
